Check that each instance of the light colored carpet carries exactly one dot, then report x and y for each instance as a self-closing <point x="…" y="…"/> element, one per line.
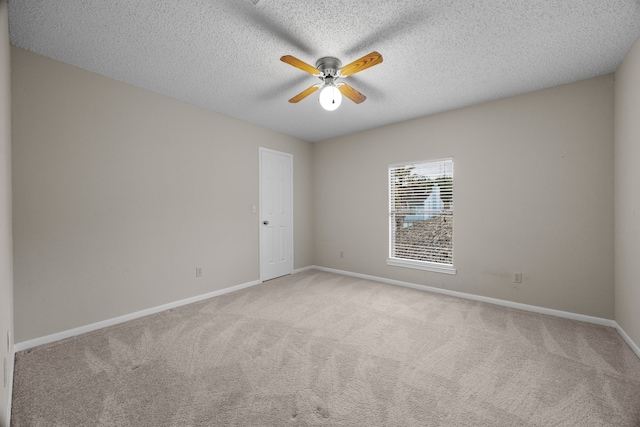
<point x="320" y="349"/>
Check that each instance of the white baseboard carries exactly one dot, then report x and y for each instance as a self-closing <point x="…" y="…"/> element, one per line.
<point x="525" y="307"/>
<point x="496" y="301"/>
<point x="110" y="322"/>
<point x="98" y="325"/>
<point x="24" y="345"/>
<point x="10" y="388"/>
<point x="628" y="339"/>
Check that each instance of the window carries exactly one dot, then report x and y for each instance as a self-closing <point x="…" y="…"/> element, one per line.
<point x="421" y="215"/>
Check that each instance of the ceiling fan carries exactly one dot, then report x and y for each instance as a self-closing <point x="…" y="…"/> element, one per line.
<point x="329" y="70"/>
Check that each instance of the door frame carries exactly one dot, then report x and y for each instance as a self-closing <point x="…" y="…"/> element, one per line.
<point x="262" y="150"/>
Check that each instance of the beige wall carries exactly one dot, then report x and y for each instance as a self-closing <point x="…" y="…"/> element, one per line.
<point x="627" y="193"/>
<point x="533" y="194"/>
<point x="120" y="193"/>
<point x="6" y="279"/>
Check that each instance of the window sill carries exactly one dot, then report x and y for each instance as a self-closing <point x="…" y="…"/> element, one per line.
<point x="421" y="265"/>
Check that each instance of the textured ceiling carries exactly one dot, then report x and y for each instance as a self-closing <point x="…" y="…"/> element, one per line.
<point x="439" y="55"/>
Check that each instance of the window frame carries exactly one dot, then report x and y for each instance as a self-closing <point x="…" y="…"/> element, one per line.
<point x="409" y="263"/>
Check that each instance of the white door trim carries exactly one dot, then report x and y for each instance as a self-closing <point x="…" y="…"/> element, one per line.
<point x="262" y="150"/>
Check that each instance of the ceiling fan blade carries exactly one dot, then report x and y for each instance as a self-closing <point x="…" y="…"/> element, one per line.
<point x="367" y="61"/>
<point x="291" y="60"/>
<point x="351" y="93"/>
<point x="302" y="95"/>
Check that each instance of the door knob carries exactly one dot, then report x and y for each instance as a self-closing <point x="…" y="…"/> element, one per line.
<point x="265" y="222"/>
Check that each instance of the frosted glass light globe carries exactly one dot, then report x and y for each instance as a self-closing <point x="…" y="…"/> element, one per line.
<point x="330" y="98"/>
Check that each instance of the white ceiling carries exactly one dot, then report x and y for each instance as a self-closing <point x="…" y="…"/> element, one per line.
<point x="439" y="55"/>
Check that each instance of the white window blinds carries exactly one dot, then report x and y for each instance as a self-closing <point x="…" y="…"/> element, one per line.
<point x="421" y="213"/>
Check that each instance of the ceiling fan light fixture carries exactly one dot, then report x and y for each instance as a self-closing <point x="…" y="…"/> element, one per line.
<point x="330" y="97"/>
<point x="329" y="70"/>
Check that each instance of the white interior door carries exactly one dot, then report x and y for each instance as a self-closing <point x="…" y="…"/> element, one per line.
<point x="276" y="214"/>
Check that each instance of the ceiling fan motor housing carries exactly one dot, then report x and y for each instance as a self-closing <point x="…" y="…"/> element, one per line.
<point x="329" y="66"/>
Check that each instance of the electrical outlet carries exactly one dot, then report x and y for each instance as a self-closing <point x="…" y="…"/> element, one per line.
<point x="341" y="254"/>
<point x="517" y="277"/>
<point x="198" y="272"/>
